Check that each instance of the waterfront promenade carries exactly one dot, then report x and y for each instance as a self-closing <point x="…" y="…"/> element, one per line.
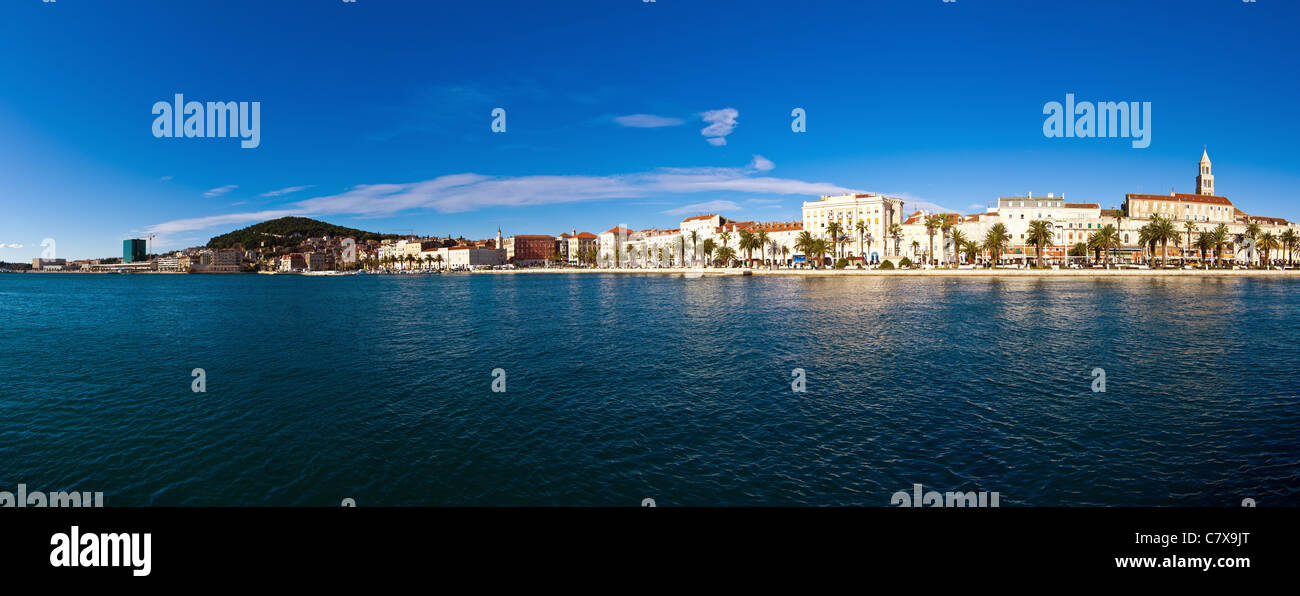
<point x="1127" y="273"/>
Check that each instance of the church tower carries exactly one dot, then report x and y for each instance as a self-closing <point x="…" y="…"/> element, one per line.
<point x="501" y="244"/>
<point x="1205" y="180"/>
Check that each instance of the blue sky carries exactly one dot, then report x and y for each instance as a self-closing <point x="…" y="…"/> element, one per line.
<point x="377" y="114"/>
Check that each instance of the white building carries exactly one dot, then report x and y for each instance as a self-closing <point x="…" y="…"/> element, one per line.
<point x="876" y="213"/>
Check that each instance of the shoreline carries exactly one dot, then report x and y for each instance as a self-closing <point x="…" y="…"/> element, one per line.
<point x="800" y="272"/>
<point x="926" y="272"/>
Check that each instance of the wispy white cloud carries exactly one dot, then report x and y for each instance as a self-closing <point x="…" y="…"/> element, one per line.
<point x="221" y="190"/>
<point x="165" y="178"/>
<point x="721" y="123"/>
<point x="11" y="246"/>
<point x="211" y="221"/>
<point x="647" y="121"/>
<point x="761" y="163"/>
<point x="455" y="193"/>
<point x="912" y="203"/>
<point x="285" y="191"/>
<point x="706" y="207"/>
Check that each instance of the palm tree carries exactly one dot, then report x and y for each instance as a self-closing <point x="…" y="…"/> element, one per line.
<point x="833" y="230"/>
<point x="995" y="240"/>
<point x="1190" y="227"/>
<point x="916" y="247"/>
<point x="726" y="255"/>
<point x="971" y="249"/>
<point x="1107" y="238"/>
<point x="773" y="248"/>
<point x="748" y="243"/>
<point x="820" y="247"/>
<point x="709" y="246"/>
<point x="438" y="259"/>
<point x="761" y="239"/>
<point x="896" y="232"/>
<point x="1205" y="243"/>
<point x="933" y="222"/>
<point x="1252" y="232"/>
<point x="1162" y="231"/>
<point x="724" y="237"/>
<point x="1266" y="243"/>
<point x="1094" y="245"/>
<point x="959" y="240"/>
<point x="861" y="227"/>
<point x="804" y="243"/>
<point x="1220" y="235"/>
<point x="1040" y="235"/>
<point x="1289" y="240"/>
<point x="1080" y="249"/>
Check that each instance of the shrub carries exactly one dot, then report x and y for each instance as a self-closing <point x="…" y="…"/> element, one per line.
<point x="842" y="263"/>
<point x="886" y="264"/>
<point x="905" y="262"/>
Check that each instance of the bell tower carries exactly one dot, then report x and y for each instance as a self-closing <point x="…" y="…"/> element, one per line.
<point x="1204" y="179"/>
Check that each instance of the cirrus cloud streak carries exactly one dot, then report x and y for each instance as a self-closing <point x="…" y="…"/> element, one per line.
<point x="457" y="193"/>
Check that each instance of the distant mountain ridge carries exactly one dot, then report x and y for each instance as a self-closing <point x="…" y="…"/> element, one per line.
<point x="280" y="232"/>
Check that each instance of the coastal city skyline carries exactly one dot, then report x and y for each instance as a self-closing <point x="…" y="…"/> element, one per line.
<point x="579" y="153"/>
<point x="290" y="284"/>
<point x="1024" y="230"/>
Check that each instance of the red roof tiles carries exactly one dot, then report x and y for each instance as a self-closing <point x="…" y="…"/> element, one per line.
<point x="1181" y="197"/>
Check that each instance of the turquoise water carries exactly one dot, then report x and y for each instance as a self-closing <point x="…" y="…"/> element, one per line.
<point x="620" y="388"/>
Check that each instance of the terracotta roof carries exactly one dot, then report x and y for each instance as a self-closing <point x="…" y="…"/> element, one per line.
<point x="1182" y="198"/>
<point x="1111" y="213"/>
<point x="1277" y="221"/>
<point x="1082" y="206"/>
<point x="784" y="226"/>
<point x="585" y="235"/>
<point x="533" y="236"/>
<point x="700" y="217"/>
<point x="618" y="230"/>
<point x="733" y="226"/>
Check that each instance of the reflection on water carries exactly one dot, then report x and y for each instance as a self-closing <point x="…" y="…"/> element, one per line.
<point x="632" y="386"/>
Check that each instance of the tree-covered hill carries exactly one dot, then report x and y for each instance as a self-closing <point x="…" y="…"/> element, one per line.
<point x="288" y="231"/>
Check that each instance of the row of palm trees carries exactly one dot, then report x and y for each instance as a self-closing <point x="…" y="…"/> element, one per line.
<point x="1160" y="231"/>
<point x="839" y="238"/>
<point x="410" y="261"/>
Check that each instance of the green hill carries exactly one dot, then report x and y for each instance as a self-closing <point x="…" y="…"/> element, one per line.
<point x="288" y="232"/>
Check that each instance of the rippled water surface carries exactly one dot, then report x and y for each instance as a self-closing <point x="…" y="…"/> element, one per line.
<point x="626" y="387"/>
